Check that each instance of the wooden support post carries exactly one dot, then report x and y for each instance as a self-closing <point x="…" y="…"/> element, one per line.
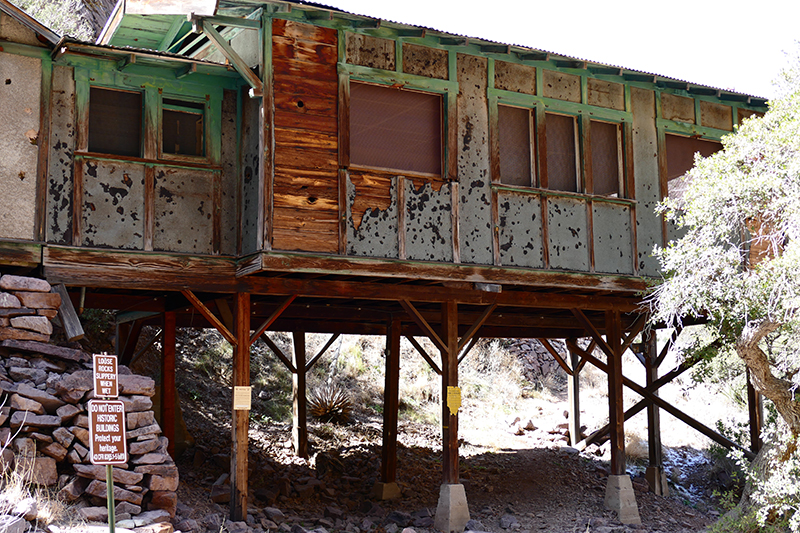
<point x="129" y="341"/>
<point x="574" y="398"/>
<point x="387" y="487"/>
<point x="616" y="411"/>
<point x="168" y="393"/>
<point x="241" y="418"/>
<point x="449" y="387"/>
<point x="655" y="475"/>
<point x="299" y="420"/>
<point x="756" y="408"/>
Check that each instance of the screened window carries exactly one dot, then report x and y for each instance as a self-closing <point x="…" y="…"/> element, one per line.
<point x="182" y="124"/>
<point x="606" y="148"/>
<point x="115" y="122"/>
<point x="395" y="129"/>
<point x="562" y="152"/>
<point x="680" y="159"/>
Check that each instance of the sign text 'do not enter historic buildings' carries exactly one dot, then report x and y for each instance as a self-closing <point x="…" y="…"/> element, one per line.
<point x="107" y="432"/>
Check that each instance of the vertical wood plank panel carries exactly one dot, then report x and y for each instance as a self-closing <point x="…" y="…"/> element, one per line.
<point x="77" y="203"/>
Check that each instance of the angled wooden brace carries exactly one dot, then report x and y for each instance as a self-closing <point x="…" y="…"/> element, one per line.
<point x="423" y="324"/>
<point x="287" y="362"/>
<point x="424" y="355"/>
<point x="322" y="351"/>
<point x="272" y="318"/>
<point x="217" y="323"/>
<point x="556" y="355"/>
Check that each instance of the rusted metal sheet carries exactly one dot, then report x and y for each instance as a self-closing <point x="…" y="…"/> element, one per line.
<point x="605" y="94"/>
<point x="514" y="77"/>
<point x="20" y="87"/>
<point x="520" y="230"/>
<point x="60" y="161"/>
<point x="561" y="86"/>
<point x="183" y="210"/>
<point x="373" y="230"/>
<point x="567" y="234"/>
<point x="425" y="61"/>
<point x="229" y="185"/>
<point x="713" y="115"/>
<point x="677" y="108"/>
<point x="648" y="186"/>
<point x="113" y="205"/>
<point x="428" y="225"/>
<point x="475" y="193"/>
<point x="369" y="51"/>
<point x="611" y="227"/>
<point x="250" y="172"/>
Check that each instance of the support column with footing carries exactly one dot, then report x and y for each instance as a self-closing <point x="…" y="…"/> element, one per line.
<point x="619" y="491"/>
<point x="299" y="419"/>
<point x="168" y="393"/>
<point x="452" y="512"/>
<point x="241" y="418"/>
<point x="387" y="488"/>
<point x="655" y="475"/>
<point x="574" y="397"/>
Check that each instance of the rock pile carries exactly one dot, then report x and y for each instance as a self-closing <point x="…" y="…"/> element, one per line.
<point x="537" y="362"/>
<point x="44" y="427"/>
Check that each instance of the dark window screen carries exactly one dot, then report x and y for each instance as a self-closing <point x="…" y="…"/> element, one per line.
<point x="395" y="129"/>
<point x="182" y="133"/>
<point x="680" y="159"/>
<point x="605" y="158"/>
<point x="115" y="122"/>
<point x="561" y="151"/>
<point x="514" y="129"/>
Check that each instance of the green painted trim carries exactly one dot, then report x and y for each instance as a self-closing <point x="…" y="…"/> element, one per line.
<point x="533" y="191"/>
<point x="151" y="163"/>
<point x="559" y="106"/>
<point x="388" y="77"/>
<point x="398" y="56"/>
<point x="174" y="28"/>
<point x="682" y="128"/>
<point x="24" y="50"/>
<point x="213" y="128"/>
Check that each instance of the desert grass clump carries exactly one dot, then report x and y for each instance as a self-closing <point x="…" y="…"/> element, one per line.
<point x="330" y="403"/>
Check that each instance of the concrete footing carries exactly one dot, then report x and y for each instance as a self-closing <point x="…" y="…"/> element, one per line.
<point x="657" y="480"/>
<point x="620" y="498"/>
<point x="386" y="491"/>
<point x="452" y="513"/>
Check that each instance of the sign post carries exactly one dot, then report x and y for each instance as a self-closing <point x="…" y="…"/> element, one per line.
<point x="107" y="425"/>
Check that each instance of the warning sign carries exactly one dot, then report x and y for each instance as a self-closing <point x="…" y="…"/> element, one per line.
<point x="106" y="384"/>
<point x="107" y="432"/>
<point x="453" y="400"/>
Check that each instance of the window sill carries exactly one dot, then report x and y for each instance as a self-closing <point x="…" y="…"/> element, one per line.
<point x="151" y="162"/>
<point x="562" y="194"/>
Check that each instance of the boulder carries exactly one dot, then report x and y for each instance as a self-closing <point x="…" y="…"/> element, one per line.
<point x="39" y="324"/>
<point x="23" y="283"/>
<point x="38" y="300"/>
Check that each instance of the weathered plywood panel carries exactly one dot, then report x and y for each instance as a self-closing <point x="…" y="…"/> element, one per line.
<point x="113" y="205"/>
<point x="561" y="86"/>
<point x="475" y="193"/>
<point x="713" y="115"/>
<point x="13" y="31"/>
<point x="747" y="113"/>
<point x="677" y="108"/>
<point x="520" y="230"/>
<point x="20" y="92"/>
<point x="429" y="228"/>
<point x="514" y="77"/>
<point x="245" y="44"/>
<point x="183" y="210"/>
<point x="605" y="94"/>
<point x="647" y="183"/>
<point x="372" y="221"/>
<point x="60" y="160"/>
<point x="611" y="226"/>
<point x="250" y="176"/>
<point x="425" y="61"/>
<point x="229" y="212"/>
<point x="369" y="51"/>
<point x="567" y="234"/>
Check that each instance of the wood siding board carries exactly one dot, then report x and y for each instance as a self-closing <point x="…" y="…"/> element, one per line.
<point x="306" y="104"/>
<point x="112" y="205"/>
<point x="428" y="223"/>
<point x="303" y="51"/>
<point x="291" y="138"/>
<point x="304" y="32"/>
<point x="251" y="172"/>
<point x="43" y="141"/>
<point x="183" y="211"/>
<point x="369" y="51"/>
<point x="216" y="214"/>
<point x="60" y="161"/>
<point x="606" y="94"/>
<point x="645" y="160"/>
<point x="561" y="86"/>
<point x="677" y="108"/>
<point x="520" y="230"/>
<point x="714" y="115"/>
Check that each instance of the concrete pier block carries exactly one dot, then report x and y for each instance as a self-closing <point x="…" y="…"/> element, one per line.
<point x="657" y="480"/>
<point x="620" y="498"/>
<point x="452" y="513"/>
<point x="386" y="491"/>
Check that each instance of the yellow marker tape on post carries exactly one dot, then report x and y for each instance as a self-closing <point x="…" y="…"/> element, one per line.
<point x="453" y="400"/>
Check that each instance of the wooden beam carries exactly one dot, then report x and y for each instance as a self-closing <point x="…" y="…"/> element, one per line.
<point x="655" y="451"/>
<point x="467" y="337"/>
<point x="234" y="22"/>
<point x="299" y="404"/>
<point x="424" y="354"/>
<point x="278" y="353"/>
<point x="574" y="398"/>
<point x="200" y="306"/>
<point x="391" y="402"/>
<point x="272" y="318"/>
<point x="616" y="417"/>
<point x="169" y="396"/>
<point x="592" y="331"/>
<point x="240" y="418"/>
<point x="449" y="382"/>
<point x="73" y="329"/>
<point x="322" y="351"/>
<point x="231" y="55"/>
<point x="465" y="352"/>
<point x="556" y="355"/>
<point x="423" y="325"/>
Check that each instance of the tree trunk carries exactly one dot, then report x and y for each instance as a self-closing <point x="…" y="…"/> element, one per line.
<point x="780" y="391"/>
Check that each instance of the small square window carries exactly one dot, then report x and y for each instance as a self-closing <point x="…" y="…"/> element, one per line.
<point x="562" y="153"/>
<point x="515" y="140"/>
<point x="115" y="122"/>
<point x="680" y="159"/>
<point x="395" y="129"/>
<point x="182" y="128"/>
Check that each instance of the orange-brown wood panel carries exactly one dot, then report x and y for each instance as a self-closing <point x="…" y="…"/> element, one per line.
<point x="372" y="192"/>
<point x="306" y="104"/>
<point x="302" y="69"/>
<point x="299" y="138"/>
<point x="307" y="32"/>
<point x="310" y="122"/>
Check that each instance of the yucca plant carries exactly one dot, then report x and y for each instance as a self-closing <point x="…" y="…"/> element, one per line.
<point x="330" y="403"/>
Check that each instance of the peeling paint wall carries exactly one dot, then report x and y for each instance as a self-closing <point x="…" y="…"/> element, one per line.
<point x="514" y="77"/>
<point x="251" y="175"/>
<point x="60" y="160"/>
<point x="425" y="61"/>
<point x="429" y="228"/>
<point x="229" y="218"/>
<point x="183" y="210"/>
<point x="647" y="183"/>
<point x="561" y="86"/>
<point x="678" y="108"/>
<point x="475" y="193"/>
<point x="567" y="234"/>
<point x="20" y="92"/>
<point x="520" y="230"/>
<point x="611" y="226"/>
<point x="713" y="115"/>
<point x="369" y="51"/>
<point x="113" y="205"/>
<point x="372" y="231"/>
<point x="13" y="31"/>
<point x="605" y="94"/>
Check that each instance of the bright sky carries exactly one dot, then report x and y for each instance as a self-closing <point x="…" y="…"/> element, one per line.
<point x="733" y="45"/>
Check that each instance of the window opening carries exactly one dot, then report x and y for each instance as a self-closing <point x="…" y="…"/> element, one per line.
<point x="680" y="159"/>
<point x="182" y="127"/>
<point x="562" y="153"/>
<point x="514" y="130"/>
<point x="115" y="122"/>
<point x="606" y="147"/>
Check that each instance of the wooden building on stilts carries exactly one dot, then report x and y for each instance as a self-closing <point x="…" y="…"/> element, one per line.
<point x="266" y="165"/>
